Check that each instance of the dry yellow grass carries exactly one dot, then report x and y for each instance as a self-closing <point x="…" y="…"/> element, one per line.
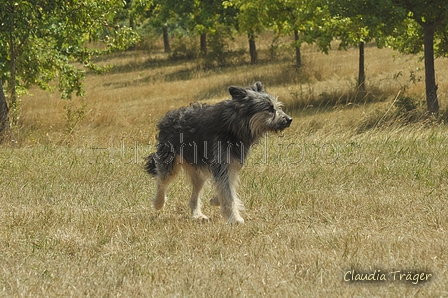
<point x="322" y="199"/>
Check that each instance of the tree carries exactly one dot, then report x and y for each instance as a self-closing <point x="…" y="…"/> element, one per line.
<point x="4" y="111"/>
<point x="301" y="18"/>
<point x="252" y="18"/>
<point x="361" y="22"/>
<point x="187" y="16"/>
<point x="426" y="25"/>
<point x="206" y="17"/>
<point x="160" y="13"/>
<point x="40" y="40"/>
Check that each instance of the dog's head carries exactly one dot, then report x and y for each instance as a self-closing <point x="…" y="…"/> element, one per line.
<point x="261" y="109"/>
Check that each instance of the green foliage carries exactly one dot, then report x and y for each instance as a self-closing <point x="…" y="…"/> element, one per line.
<point x="408" y="37"/>
<point x="40" y="40"/>
<point x="363" y="21"/>
<point x="252" y="16"/>
<point x="310" y="18"/>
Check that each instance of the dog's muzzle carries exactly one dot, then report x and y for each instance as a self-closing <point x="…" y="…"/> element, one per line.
<point x="285" y="121"/>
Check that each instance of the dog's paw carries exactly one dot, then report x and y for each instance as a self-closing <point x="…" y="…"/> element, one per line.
<point x="214" y="201"/>
<point x="200" y="216"/>
<point x="158" y="205"/>
<point x="233" y="221"/>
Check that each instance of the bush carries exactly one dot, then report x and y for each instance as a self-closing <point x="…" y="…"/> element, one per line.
<point x="406" y="104"/>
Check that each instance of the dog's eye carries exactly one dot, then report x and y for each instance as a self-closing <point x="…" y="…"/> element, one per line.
<point x="271" y="109"/>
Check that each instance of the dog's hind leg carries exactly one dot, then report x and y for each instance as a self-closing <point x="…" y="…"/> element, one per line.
<point x="166" y="173"/>
<point x="197" y="180"/>
<point x="226" y="181"/>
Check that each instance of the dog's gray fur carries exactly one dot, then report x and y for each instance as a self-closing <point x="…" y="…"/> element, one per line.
<point x="214" y="140"/>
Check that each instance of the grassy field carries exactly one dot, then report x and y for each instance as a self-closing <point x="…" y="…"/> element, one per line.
<point x="348" y="188"/>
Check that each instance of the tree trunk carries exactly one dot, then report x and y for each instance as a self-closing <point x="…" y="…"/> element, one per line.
<point x="203" y="44"/>
<point x="252" y="49"/>
<point x="131" y="22"/>
<point x="430" y="76"/>
<point x="297" y="46"/>
<point x="361" y="74"/>
<point x="166" y="39"/>
<point x="4" y="113"/>
<point x="128" y="7"/>
<point x="14" y="103"/>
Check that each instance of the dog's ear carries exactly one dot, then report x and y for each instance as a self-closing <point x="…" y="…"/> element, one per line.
<point x="237" y="92"/>
<point x="257" y="87"/>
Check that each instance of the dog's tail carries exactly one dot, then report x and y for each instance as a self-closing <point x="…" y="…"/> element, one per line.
<point x="150" y="165"/>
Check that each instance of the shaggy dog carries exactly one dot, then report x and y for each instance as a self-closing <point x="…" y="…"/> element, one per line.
<point x="214" y="140"/>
